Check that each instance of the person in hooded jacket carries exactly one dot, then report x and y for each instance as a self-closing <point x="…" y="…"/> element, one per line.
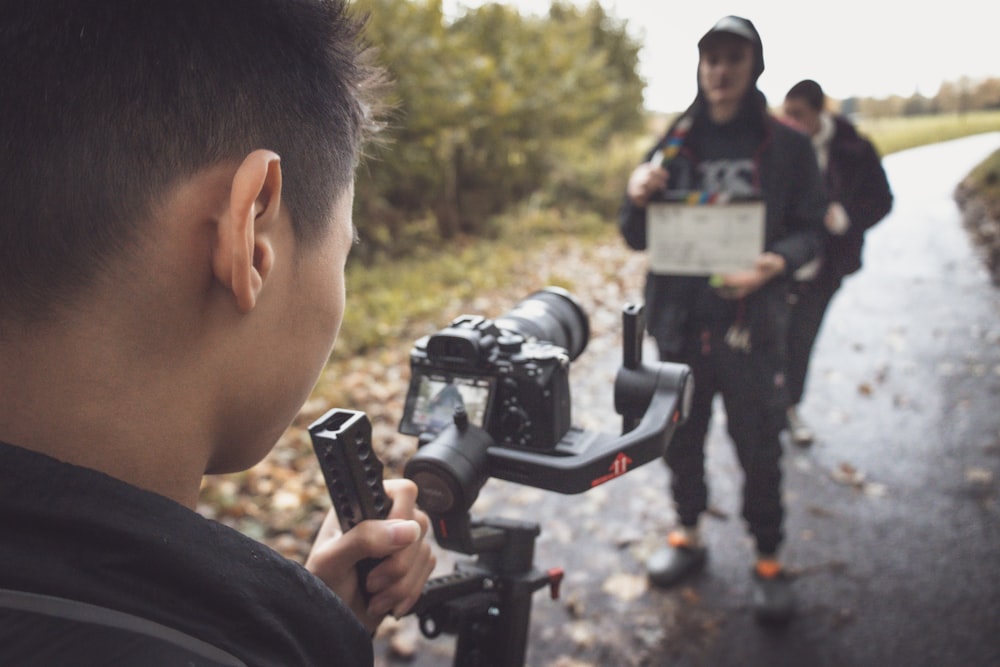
<point x="177" y="188"/>
<point x="730" y="328"/>
<point x="860" y="196"/>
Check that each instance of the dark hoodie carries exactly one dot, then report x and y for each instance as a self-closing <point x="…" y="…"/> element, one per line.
<point x="752" y="156"/>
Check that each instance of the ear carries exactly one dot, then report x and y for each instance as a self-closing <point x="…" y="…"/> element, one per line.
<point x="243" y="254"/>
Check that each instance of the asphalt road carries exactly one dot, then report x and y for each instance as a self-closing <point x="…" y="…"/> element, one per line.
<point x="893" y="514"/>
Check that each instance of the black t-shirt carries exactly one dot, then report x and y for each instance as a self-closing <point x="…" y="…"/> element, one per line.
<point x="81" y="535"/>
<point x="726" y="158"/>
<point x="727" y="163"/>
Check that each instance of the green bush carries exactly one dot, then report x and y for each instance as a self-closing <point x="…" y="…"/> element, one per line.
<point x="985" y="177"/>
<point x="491" y="109"/>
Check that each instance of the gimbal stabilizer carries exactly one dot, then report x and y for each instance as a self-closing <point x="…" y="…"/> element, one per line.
<point x="487" y="603"/>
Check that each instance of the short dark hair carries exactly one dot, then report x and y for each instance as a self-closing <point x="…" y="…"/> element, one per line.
<point x="809" y="91"/>
<point x="107" y="104"/>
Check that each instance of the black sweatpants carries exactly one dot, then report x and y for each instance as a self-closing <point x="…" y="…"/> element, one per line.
<point x="753" y="392"/>
<point x="809" y="301"/>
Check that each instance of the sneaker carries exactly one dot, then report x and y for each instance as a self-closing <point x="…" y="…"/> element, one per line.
<point x="773" y="598"/>
<point x="675" y="562"/>
<point x="801" y="434"/>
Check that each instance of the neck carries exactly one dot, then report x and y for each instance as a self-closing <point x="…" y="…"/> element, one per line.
<point x="81" y="402"/>
<point x="824" y="127"/>
<point x="721" y="114"/>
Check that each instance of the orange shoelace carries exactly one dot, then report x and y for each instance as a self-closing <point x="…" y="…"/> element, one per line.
<point x="768" y="568"/>
<point x="677" y="538"/>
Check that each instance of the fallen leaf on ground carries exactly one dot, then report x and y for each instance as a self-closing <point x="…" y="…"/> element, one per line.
<point x="625" y="587"/>
<point x="848" y="475"/>
<point x="874" y="490"/>
<point x="690" y="595"/>
<point x="566" y="661"/>
<point x="582" y="633"/>
<point x="977" y="475"/>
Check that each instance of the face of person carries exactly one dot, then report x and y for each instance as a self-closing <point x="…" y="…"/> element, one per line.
<point x="725" y="70"/>
<point x="318" y="293"/>
<point x="296" y="321"/>
<point x="804" y="115"/>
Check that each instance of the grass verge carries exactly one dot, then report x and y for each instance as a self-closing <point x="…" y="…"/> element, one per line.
<point x="896" y="134"/>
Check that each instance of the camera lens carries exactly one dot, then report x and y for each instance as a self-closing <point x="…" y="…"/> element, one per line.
<point x="550" y="315"/>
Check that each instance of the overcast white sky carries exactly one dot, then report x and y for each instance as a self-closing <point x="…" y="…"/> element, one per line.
<point x="867" y="48"/>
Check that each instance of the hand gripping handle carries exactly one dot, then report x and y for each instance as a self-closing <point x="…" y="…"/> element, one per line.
<point x="342" y="440"/>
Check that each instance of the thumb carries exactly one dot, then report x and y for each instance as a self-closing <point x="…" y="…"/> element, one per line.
<point x="376" y="539"/>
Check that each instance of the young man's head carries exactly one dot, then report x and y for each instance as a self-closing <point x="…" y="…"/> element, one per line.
<point x="731" y="59"/>
<point x="108" y="105"/>
<point x="804" y="103"/>
<point x="175" y="214"/>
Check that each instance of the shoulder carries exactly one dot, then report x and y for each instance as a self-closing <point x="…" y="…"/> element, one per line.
<point x="787" y="141"/>
<point x="786" y="134"/>
<point x="845" y="129"/>
<point x="172" y="565"/>
<point x="848" y="139"/>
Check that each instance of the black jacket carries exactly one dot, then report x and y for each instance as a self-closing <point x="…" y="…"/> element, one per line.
<point x="856" y="179"/>
<point x="795" y="202"/>
<point x="80" y="535"/>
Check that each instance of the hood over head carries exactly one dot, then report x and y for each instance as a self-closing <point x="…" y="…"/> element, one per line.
<point x="742" y="28"/>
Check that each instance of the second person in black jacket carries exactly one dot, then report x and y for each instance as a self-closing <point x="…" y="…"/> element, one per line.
<point x="860" y="196"/>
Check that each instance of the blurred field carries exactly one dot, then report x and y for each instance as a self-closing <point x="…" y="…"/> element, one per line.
<point x="896" y="134"/>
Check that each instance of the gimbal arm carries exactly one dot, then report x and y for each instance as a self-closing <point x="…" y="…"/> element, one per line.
<point x="584" y="459"/>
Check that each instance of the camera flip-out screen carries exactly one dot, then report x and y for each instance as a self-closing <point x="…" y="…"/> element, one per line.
<point x="432" y="406"/>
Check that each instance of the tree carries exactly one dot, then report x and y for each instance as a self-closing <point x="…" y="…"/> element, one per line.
<point x="987" y="94"/>
<point x="916" y="105"/>
<point x="487" y="107"/>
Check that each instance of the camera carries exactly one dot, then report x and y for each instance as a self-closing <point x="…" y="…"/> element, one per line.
<point x="509" y="375"/>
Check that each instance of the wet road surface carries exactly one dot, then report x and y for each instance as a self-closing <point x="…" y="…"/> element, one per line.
<point x="893" y="513"/>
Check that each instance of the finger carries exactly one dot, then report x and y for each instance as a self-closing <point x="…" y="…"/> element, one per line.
<point x="403" y="606"/>
<point x="644" y="181"/>
<point x="637" y="193"/>
<point x="397" y="566"/>
<point x="384" y="538"/>
<point x="369" y="539"/>
<point x="330" y="528"/>
<point x="404" y="497"/>
<point x="399" y="592"/>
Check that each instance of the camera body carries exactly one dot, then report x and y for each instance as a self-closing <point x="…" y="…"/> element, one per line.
<point x="514" y="387"/>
